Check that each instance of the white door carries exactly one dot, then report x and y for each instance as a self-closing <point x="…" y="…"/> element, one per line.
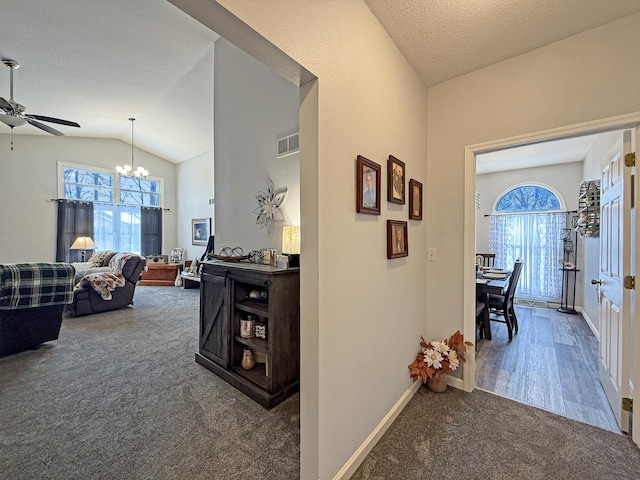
<point x="615" y="261"/>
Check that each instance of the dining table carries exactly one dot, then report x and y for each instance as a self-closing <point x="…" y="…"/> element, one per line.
<point x="485" y="285"/>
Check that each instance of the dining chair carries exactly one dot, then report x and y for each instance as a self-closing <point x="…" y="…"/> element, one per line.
<point x="488" y="259"/>
<point x="482" y="319"/>
<point x="502" y="305"/>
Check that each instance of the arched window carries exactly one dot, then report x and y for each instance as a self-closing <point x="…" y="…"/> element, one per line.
<point x="528" y="198"/>
<point x="527" y="224"/>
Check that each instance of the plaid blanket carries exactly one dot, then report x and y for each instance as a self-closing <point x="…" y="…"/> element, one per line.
<point x="28" y="285"/>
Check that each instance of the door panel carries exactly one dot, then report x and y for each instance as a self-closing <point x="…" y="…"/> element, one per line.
<point x="614" y="262"/>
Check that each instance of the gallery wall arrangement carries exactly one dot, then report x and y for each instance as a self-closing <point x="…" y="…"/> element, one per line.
<point x="368" y="184"/>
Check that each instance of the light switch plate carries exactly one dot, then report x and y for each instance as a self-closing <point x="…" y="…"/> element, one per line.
<point x="431" y="254"/>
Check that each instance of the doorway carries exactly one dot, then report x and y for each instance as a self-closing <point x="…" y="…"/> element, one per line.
<point x="600" y="127"/>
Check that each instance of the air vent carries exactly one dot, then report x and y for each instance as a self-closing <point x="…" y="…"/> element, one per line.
<point x="477" y="200"/>
<point x="288" y="145"/>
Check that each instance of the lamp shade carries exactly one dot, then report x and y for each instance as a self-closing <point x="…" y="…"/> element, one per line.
<point x="83" y="243"/>
<point x="291" y="239"/>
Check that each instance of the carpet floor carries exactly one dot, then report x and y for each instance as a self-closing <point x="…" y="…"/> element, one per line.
<point x="120" y="396"/>
<point x="479" y="435"/>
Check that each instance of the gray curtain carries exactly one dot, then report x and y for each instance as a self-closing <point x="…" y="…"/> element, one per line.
<point x="74" y="219"/>
<point x="151" y="231"/>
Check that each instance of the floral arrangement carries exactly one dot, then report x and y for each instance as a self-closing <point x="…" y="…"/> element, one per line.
<point x="437" y="358"/>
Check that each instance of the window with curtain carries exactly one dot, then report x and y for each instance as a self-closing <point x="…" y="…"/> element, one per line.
<point x="118" y="202"/>
<point x="527" y="225"/>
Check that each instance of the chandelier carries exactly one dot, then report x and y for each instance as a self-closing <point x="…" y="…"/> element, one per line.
<point x="127" y="170"/>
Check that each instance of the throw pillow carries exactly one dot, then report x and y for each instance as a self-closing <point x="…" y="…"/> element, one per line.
<point x="97" y="259"/>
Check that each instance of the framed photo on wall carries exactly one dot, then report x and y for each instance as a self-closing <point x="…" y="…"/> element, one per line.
<point x="200" y="231"/>
<point x="395" y="181"/>
<point x="367" y="186"/>
<point x="415" y="200"/>
<point x="397" y="239"/>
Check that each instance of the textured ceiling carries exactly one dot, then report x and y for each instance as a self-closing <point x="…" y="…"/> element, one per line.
<point x="100" y="62"/>
<point x="443" y="39"/>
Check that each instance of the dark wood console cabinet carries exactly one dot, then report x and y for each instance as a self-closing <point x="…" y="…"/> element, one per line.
<point x="225" y="299"/>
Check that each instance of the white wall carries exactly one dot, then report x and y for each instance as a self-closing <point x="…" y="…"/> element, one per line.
<point x="28" y="182"/>
<point x="195" y="187"/>
<point x="253" y="107"/>
<point x="572" y="81"/>
<point x="371" y="311"/>
<point x="593" y="163"/>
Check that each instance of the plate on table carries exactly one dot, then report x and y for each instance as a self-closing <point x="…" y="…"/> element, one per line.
<point x="496" y="275"/>
<point x="494" y="270"/>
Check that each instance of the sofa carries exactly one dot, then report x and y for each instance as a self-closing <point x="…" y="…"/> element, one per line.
<point x="106" y="282"/>
<point x="32" y="300"/>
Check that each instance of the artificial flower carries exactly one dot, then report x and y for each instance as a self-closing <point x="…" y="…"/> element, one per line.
<point x="439" y="357"/>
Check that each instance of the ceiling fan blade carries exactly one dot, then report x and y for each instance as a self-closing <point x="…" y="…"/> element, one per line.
<point x="44" y="127"/>
<point x="54" y="120"/>
<point x="6" y="106"/>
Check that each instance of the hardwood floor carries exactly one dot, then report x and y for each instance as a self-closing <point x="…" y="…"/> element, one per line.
<point x="552" y="363"/>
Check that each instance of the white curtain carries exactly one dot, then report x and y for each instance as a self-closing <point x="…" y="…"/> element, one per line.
<point x="536" y="240"/>
<point x="117" y="227"/>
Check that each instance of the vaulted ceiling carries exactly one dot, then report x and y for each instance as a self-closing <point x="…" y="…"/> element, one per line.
<point x="101" y="62"/>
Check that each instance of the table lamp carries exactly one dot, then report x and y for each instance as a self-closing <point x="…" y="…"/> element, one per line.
<point x="83" y="243"/>
<point x="291" y="244"/>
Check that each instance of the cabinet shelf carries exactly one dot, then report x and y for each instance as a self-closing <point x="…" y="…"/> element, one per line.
<point x="251" y="306"/>
<point x="258" y="344"/>
<point x="257" y="374"/>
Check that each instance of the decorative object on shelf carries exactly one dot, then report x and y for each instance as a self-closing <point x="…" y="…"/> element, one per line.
<point x="397" y="239"/>
<point x="229" y="254"/>
<point x="269" y="207"/>
<point x="248" y="359"/>
<point x="83" y="244"/>
<point x="291" y="244"/>
<point x="258" y="295"/>
<point x="176" y="255"/>
<point x="368" y="175"/>
<point x="588" y="222"/>
<point x="127" y="170"/>
<point x="262" y="357"/>
<point x="261" y="330"/>
<point x="415" y="200"/>
<point x="439" y="358"/>
<point x="200" y="231"/>
<point x="395" y="180"/>
<point x="248" y="327"/>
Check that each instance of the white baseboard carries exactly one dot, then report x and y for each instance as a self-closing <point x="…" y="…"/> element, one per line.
<point x="589" y="322"/>
<point x="361" y="453"/>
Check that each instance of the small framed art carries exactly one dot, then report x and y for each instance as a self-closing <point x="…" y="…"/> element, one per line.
<point x="395" y="181"/>
<point x="397" y="239"/>
<point x="200" y="231"/>
<point x="367" y="186"/>
<point x="415" y="200"/>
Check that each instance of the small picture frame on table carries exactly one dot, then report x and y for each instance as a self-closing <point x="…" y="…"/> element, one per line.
<point x="200" y="231"/>
<point x="395" y="180"/>
<point x="415" y="200"/>
<point x="367" y="186"/>
<point x="397" y="239"/>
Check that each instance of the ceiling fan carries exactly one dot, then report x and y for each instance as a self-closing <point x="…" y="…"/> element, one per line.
<point x="15" y="115"/>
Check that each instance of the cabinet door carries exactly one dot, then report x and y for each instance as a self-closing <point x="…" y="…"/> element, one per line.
<point x="214" y="319"/>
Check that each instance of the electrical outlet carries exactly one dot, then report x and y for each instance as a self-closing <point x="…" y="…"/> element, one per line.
<point x="431" y="254"/>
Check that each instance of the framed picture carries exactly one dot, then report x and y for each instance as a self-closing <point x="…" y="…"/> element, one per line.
<point x="415" y="200"/>
<point x="367" y="186"/>
<point x="176" y="255"/>
<point x="200" y="231"/>
<point x="397" y="239"/>
<point x="395" y="182"/>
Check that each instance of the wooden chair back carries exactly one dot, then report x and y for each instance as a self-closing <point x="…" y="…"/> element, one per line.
<point x="488" y="259"/>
